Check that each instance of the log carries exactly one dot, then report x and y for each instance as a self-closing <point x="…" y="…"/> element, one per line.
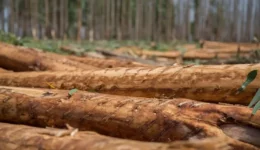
<point x="209" y="54"/>
<point x="3" y="70"/>
<point x="150" y="53"/>
<point x="230" y="47"/>
<point x="192" y="53"/>
<point x="21" y="137"/>
<point x="105" y="63"/>
<point x="72" y="50"/>
<point x="230" y="44"/>
<point x="210" y="83"/>
<point x="158" y="120"/>
<point x="26" y="59"/>
<point x="125" y="57"/>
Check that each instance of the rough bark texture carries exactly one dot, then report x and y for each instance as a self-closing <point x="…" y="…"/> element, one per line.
<point x="159" y="120"/>
<point x="22" y="137"/>
<point x="211" y="83"/>
<point x="26" y="59"/>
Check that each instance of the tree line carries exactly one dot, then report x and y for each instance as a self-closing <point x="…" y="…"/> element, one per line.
<point x="151" y="20"/>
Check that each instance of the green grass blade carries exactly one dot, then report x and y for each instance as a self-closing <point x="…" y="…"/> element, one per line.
<point x="72" y="91"/>
<point x="257" y="107"/>
<point x="255" y="99"/>
<point x="250" y="77"/>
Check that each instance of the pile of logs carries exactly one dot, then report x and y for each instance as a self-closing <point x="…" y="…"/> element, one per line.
<point x="122" y="104"/>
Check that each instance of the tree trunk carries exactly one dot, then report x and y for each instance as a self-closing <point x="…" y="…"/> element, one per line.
<point x="138" y="18"/>
<point x="105" y="63"/>
<point x="107" y="18"/>
<point x="47" y="19"/>
<point x="165" y="120"/>
<point x="203" y="83"/>
<point x="2" y="15"/>
<point x="79" y="22"/>
<point x="34" y="18"/>
<point x="25" y="59"/>
<point x="66" y="19"/>
<point x="20" y="136"/>
<point x="61" y="13"/>
<point x="54" y="19"/>
<point x="130" y="21"/>
<point x="91" y="21"/>
<point x="11" y="17"/>
<point x="3" y="70"/>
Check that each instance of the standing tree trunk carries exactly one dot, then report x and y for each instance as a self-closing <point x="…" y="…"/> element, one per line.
<point x="11" y="17"/>
<point x="118" y="19"/>
<point x="169" y="23"/>
<point x="66" y="19"/>
<point x="61" y="14"/>
<point x="79" y="22"/>
<point x="54" y="19"/>
<point x="131" y="32"/>
<point x="91" y="21"/>
<point x="2" y="15"/>
<point x="47" y="19"/>
<point x="137" y="19"/>
<point x="107" y="19"/>
<point x="34" y="18"/>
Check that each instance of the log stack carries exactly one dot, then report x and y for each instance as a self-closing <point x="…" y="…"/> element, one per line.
<point x="129" y="106"/>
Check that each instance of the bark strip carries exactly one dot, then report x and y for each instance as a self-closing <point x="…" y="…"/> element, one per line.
<point x="21" y="137"/>
<point x="159" y="120"/>
<point x="211" y="83"/>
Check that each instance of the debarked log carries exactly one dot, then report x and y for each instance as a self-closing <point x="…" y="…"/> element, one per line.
<point x="27" y="59"/>
<point x="212" y="83"/>
<point x="23" y="137"/>
<point x="157" y="120"/>
<point x="106" y="63"/>
<point x="3" y="70"/>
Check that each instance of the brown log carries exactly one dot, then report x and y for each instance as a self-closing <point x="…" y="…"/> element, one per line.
<point x="26" y="59"/>
<point x="125" y="57"/>
<point x="141" y="52"/>
<point x="3" y="70"/>
<point x="106" y="63"/>
<point x="21" y="137"/>
<point x="230" y="47"/>
<point x="193" y="53"/>
<point x="226" y="44"/>
<point x="72" y="50"/>
<point x="210" y="83"/>
<point x="159" y="120"/>
<point x="211" y="54"/>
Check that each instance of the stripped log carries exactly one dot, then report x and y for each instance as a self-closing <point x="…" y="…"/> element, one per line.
<point x="3" y="70"/>
<point x="217" y="83"/>
<point x="140" y="52"/>
<point x="27" y="59"/>
<point x="230" y="47"/>
<point x="159" y="120"/>
<point x="125" y="57"/>
<point x="106" y="63"/>
<point x="21" y="137"/>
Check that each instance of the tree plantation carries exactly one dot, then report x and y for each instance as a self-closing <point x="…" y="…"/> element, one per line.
<point x="129" y="75"/>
